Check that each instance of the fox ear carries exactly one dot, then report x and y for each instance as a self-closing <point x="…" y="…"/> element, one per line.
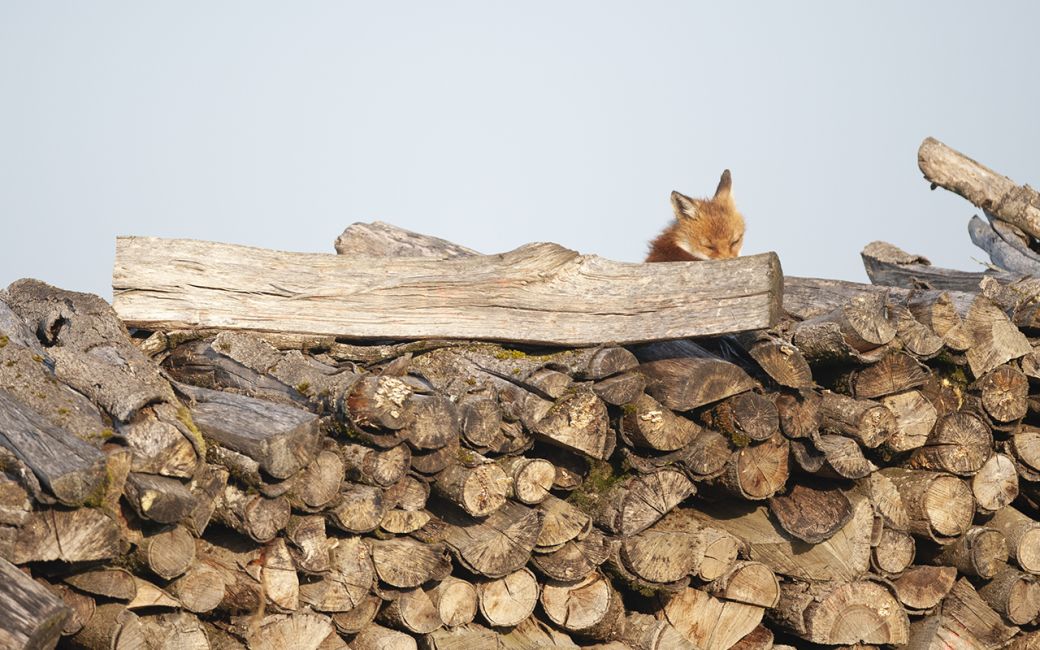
<point x="724" y="190"/>
<point x="684" y="206"/>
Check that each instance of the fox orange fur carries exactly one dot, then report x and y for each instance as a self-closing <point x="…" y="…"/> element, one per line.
<point x="704" y="229"/>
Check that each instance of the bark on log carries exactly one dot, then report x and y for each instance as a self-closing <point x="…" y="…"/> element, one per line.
<point x="980" y="552"/>
<point x="749" y="285"/>
<point x="281" y="439"/>
<point x="960" y="443"/>
<point x="1023" y="537"/>
<point x="867" y="422"/>
<point x="940" y="506"/>
<point x="71" y="469"/>
<point x="33" y="616"/>
<point x="854" y="612"/>
<point x="1013" y="594"/>
<point x="952" y="170"/>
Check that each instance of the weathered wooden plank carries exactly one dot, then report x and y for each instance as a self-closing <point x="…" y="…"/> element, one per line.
<point x="71" y="469"/>
<point x="998" y="195"/>
<point x="539" y="293"/>
<point x="31" y="617"/>
<point x="282" y="439"/>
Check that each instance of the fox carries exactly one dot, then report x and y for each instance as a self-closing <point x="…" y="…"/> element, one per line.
<point x="704" y="229"/>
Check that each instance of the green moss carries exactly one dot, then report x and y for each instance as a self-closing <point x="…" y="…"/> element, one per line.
<point x="629" y="409"/>
<point x="471" y="381"/>
<point x="303" y="388"/>
<point x="106" y="433"/>
<point x="9" y="363"/>
<point x="466" y="456"/>
<point x="4" y="340"/>
<point x="184" y="417"/>
<point x="97" y="497"/>
<point x="223" y="346"/>
<point x="510" y="354"/>
<point x="740" y="439"/>
<point x="37" y="358"/>
<point x="601" y="478"/>
<point x="63" y="411"/>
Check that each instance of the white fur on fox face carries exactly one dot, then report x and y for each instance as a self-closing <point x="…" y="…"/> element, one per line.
<point x="685" y="245"/>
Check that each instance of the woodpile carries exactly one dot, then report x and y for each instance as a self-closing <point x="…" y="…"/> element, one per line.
<point x="860" y="471"/>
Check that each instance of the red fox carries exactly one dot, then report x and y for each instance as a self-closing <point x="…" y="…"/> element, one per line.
<point x="703" y="229"/>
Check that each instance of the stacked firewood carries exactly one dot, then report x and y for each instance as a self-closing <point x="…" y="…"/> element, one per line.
<point x="864" y="474"/>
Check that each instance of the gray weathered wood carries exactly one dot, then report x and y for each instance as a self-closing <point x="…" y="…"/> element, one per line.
<point x="952" y="170"/>
<point x="378" y="239"/>
<point x="31" y="617"/>
<point x="888" y="265"/>
<point x="1003" y="246"/>
<point x="539" y="293"/>
<point x="71" y="469"/>
<point x="89" y="347"/>
<point x="282" y="439"/>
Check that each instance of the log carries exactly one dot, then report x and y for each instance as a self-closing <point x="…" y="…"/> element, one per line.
<point x="377" y="637"/>
<point x="811" y="514"/>
<point x="345" y="587"/>
<point x="995" y="485"/>
<point x="507" y="601"/>
<point x="1013" y="594"/>
<point x="860" y="325"/>
<point x="479" y="487"/>
<point x="889" y="266"/>
<point x="960" y="443"/>
<point x="952" y="170"/>
<point x="893" y="553"/>
<point x="1023" y="537"/>
<point x="647" y="423"/>
<point x="644" y="632"/>
<point x="163" y="441"/>
<point x="374" y="466"/>
<point x="252" y="514"/>
<point x="686" y="383"/>
<point x="456" y="601"/>
<point x="781" y="361"/>
<point x="69" y="468"/>
<point x="80" y="535"/>
<point x="893" y="373"/>
<point x="915" y="417"/>
<point x="281" y="439"/>
<point x="530" y="479"/>
<point x="708" y="622"/>
<point x="590" y="608"/>
<point x="488" y="297"/>
<point x="1001" y="246"/>
<point x="636" y="503"/>
<point x="980" y="552"/>
<point x="865" y="421"/>
<point x="1004" y="391"/>
<point x="748" y="416"/>
<point x="378" y="239"/>
<point x="854" y="612"/>
<point x="411" y="611"/>
<point x="89" y="347"/>
<point x="498" y="545"/>
<point x="407" y="563"/>
<point x="940" y="506"/>
<point x="167" y="554"/>
<point x="758" y="471"/>
<point x="561" y="523"/>
<point x="200" y="589"/>
<point x="923" y="588"/>
<point x="33" y="616"/>
<point x="317" y="484"/>
<point x="751" y="583"/>
<point x="844" y="556"/>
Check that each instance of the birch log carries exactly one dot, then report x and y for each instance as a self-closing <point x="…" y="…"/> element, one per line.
<point x="539" y="293"/>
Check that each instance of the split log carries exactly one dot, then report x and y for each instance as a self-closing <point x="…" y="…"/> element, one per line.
<point x="686" y="383"/>
<point x="922" y="588"/>
<point x="579" y="422"/>
<point x="757" y="471"/>
<point x="309" y="545"/>
<point x="252" y="514"/>
<point x="858" y="326"/>
<point x="648" y="424"/>
<point x="377" y="637"/>
<point x="507" y="601"/>
<point x="359" y="509"/>
<point x="206" y="488"/>
<point x="799" y="414"/>
<point x="639" y="501"/>
<point x="463" y="637"/>
<point x="843" y="457"/>
<point x="621" y="389"/>
<point x="893" y="553"/>
<point x="80" y="535"/>
<point x="707" y="622"/>
<point x="844" y="556"/>
<point x="280" y="438"/>
<point x="889" y="266"/>
<point x="317" y="484"/>
<point x="407" y="563"/>
<point x="751" y="583"/>
<point x="345" y="587"/>
<point x="854" y="612"/>
<point x="163" y="441"/>
<point x="1004" y="392"/>
<point x="893" y="373"/>
<point x="112" y="626"/>
<point x="783" y="362"/>
<point x="200" y="589"/>
<point x="575" y="559"/>
<point x="952" y="170"/>
<point x="71" y="469"/>
<point x="968" y="617"/>
<point x="644" y="632"/>
<point x="561" y="523"/>
<point x="810" y="514"/>
<point x="533" y="633"/>
<point x="33" y="616"/>
<point x="750" y="286"/>
<point x="498" y="545"/>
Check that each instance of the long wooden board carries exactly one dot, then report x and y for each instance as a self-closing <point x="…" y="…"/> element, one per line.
<point x="539" y="293"/>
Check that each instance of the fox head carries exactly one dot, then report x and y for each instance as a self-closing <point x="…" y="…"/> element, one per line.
<point x="709" y="229"/>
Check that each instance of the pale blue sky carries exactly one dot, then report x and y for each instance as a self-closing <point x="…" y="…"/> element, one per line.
<point x="494" y="124"/>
